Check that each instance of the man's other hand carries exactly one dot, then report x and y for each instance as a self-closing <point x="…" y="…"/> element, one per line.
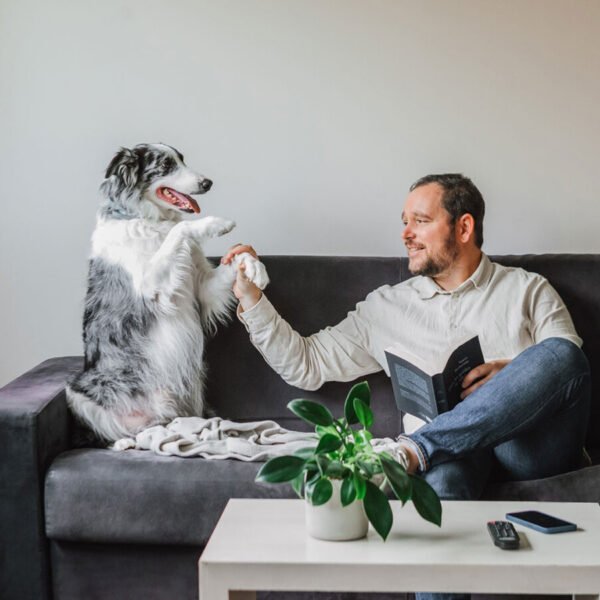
<point x="476" y="377"/>
<point x="244" y="290"/>
<point x="238" y="249"/>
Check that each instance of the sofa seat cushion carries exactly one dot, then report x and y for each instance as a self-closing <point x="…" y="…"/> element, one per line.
<point x="582" y="485"/>
<point x="98" y="495"/>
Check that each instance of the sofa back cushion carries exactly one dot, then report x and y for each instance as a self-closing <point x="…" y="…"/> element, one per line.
<point x="312" y="292"/>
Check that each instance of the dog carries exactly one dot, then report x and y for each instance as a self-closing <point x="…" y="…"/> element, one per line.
<point x="152" y="296"/>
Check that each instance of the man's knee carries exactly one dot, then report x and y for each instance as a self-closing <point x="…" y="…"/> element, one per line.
<point x="569" y="357"/>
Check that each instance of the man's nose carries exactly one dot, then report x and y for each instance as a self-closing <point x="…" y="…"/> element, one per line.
<point x="407" y="233"/>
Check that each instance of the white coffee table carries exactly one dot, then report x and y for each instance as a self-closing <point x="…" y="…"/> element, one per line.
<point x="262" y="545"/>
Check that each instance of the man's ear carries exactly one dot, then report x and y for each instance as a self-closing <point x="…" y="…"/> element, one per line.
<point x="125" y="167"/>
<point x="465" y="228"/>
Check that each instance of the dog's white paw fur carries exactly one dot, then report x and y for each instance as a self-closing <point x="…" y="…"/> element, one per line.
<point x="123" y="444"/>
<point x="209" y="227"/>
<point x="255" y="271"/>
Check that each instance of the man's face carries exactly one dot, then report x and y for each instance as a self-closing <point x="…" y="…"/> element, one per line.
<point x="428" y="235"/>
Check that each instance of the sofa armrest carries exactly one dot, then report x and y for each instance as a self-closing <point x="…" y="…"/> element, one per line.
<point x="34" y="428"/>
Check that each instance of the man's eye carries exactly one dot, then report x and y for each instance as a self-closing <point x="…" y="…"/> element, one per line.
<point x="419" y="221"/>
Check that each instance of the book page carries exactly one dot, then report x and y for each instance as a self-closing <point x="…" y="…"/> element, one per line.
<point x="413" y="389"/>
<point x="413" y="386"/>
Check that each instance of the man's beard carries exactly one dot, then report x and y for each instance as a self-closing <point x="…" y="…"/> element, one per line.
<point x="434" y="265"/>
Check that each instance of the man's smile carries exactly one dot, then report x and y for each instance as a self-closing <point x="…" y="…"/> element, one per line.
<point x="412" y="250"/>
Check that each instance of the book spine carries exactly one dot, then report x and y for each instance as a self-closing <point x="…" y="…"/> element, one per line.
<point x="441" y="398"/>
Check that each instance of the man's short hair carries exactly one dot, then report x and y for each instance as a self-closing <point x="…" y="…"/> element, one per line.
<point x="461" y="196"/>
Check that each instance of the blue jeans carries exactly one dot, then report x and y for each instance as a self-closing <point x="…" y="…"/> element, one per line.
<point x="529" y="420"/>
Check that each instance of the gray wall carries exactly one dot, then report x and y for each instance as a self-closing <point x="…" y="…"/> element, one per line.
<point x="312" y="116"/>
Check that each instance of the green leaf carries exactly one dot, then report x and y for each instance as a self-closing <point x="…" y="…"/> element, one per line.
<point x="280" y="469"/>
<point x="323" y="462"/>
<point x="312" y="476"/>
<point x="378" y="510"/>
<point x="328" y="443"/>
<point x="363" y="413"/>
<point x="362" y="391"/>
<point x="359" y="485"/>
<point x="397" y="478"/>
<point x="322" y="430"/>
<point x="311" y="412"/>
<point x="306" y="453"/>
<point x="297" y="484"/>
<point x="349" y="450"/>
<point x="426" y="501"/>
<point x="348" y="492"/>
<point x="336" y="470"/>
<point x="363" y="437"/>
<point x="368" y="468"/>
<point x="319" y="492"/>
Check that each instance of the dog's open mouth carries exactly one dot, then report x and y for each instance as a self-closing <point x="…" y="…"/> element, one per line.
<point x="180" y="201"/>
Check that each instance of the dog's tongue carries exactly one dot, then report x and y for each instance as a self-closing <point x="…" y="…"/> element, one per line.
<point x="185" y="201"/>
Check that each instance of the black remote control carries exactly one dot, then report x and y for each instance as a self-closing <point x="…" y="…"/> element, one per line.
<point x="504" y="534"/>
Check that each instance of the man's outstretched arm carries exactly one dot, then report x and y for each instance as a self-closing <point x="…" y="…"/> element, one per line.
<point x="333" y="354"/>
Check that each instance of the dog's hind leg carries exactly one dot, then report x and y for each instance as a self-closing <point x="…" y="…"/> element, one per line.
<point x="103" y="422"/>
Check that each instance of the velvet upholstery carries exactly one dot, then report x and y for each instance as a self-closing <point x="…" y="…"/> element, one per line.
<point x="136" y="497"/>
<point x="133" y="524"/>
<point x="34" y="428"/>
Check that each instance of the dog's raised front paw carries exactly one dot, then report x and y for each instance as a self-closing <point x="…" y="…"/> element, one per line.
<point x="210" y="227"/>
<point x="254" y="270"/>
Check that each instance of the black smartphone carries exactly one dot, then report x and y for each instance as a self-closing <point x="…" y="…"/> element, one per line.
<point x="541" y="521"/>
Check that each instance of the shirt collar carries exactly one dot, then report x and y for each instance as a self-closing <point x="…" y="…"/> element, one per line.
<point x="427" y="287"/>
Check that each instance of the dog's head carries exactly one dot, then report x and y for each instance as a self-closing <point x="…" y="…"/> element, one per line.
<point x="151" y="181"/>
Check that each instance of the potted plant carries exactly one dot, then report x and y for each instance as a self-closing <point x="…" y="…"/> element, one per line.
<point x="343" y="471"/>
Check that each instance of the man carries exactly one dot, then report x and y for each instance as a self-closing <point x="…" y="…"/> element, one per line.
<point x="524" y="411"/>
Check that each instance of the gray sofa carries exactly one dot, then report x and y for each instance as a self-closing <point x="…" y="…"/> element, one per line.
<point x="88" y="523"/>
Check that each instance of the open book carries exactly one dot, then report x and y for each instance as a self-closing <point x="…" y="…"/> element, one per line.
<point x="428" y="387"/>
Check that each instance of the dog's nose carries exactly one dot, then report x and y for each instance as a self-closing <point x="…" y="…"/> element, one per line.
<point x="206" y="184"/>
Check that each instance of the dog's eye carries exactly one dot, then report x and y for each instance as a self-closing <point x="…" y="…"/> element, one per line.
<point x="168" y="165"/>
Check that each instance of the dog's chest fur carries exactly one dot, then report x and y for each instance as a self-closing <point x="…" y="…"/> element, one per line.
<point x="130" y="244"/>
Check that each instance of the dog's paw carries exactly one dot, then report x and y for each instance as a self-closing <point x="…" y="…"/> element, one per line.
<point x="123" y="444"/>
<point x="254" y="270"/>
<point x="210" y="227"/>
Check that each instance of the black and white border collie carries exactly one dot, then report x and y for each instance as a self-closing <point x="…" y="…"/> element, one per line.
<point x="152" y="295"/>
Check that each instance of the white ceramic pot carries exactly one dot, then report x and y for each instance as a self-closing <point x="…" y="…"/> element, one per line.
<point x="334" y="522"/>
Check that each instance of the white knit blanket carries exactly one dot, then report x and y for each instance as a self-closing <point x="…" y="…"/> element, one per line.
<point x="217" y="439"/>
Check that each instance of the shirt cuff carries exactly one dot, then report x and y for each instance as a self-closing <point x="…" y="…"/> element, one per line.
<point x="259" y="315"/>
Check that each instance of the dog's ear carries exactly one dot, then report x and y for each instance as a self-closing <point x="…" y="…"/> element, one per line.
<point x="125" y="167"/>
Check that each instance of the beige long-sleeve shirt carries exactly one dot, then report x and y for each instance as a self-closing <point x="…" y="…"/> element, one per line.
<point x="509" y="308"/>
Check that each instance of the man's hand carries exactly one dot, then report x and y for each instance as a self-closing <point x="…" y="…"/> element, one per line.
<point x="238" y="249"/>
<point x="244" y="290"/>
<point x="476" y="377"/>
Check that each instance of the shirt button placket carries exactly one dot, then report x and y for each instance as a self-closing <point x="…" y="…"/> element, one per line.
<point x="453" y="310"/>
